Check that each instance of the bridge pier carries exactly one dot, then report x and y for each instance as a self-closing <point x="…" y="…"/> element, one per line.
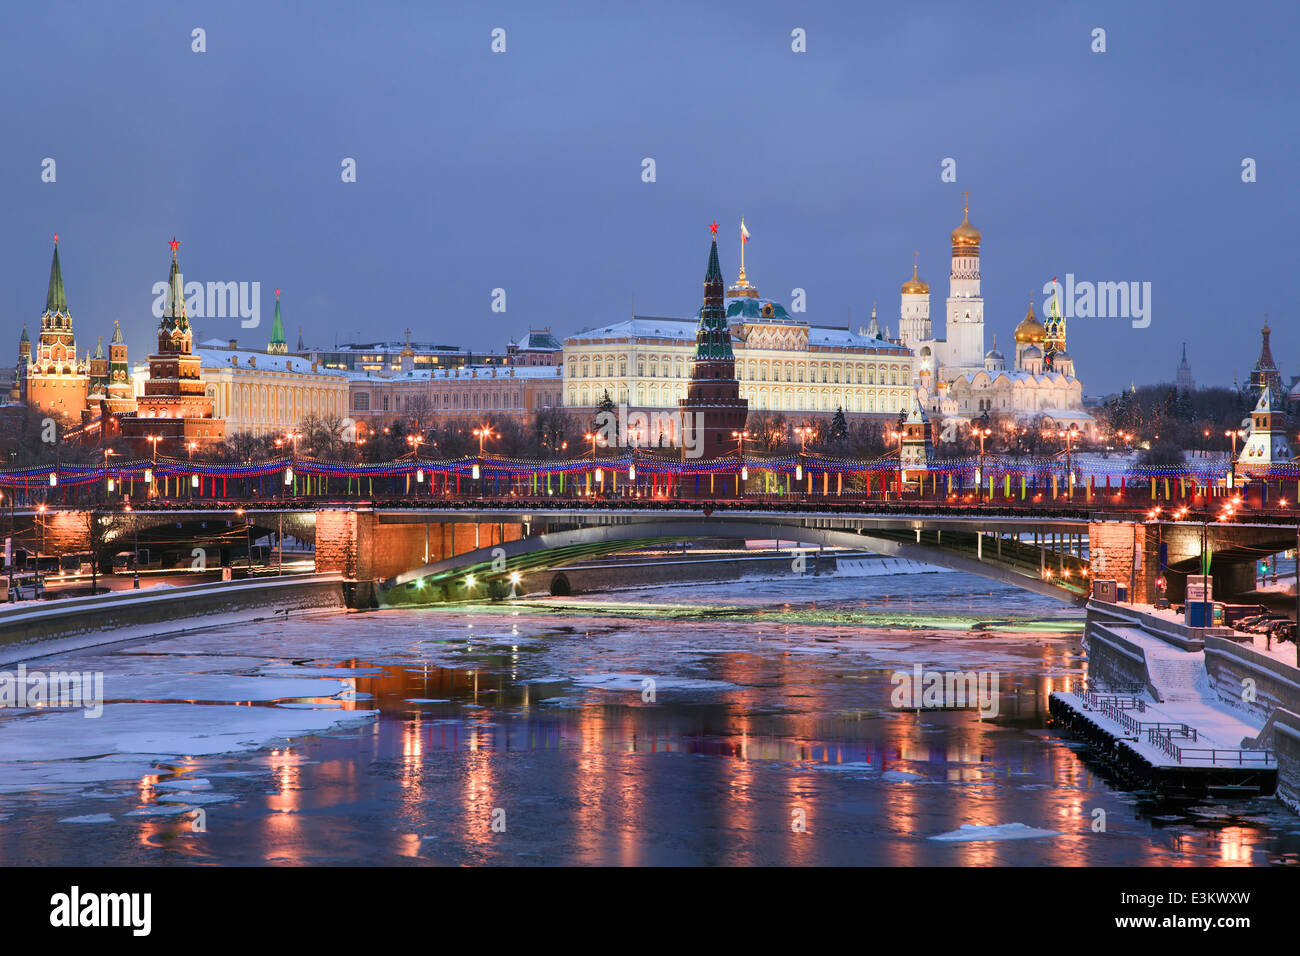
<point x="365" y="545"/>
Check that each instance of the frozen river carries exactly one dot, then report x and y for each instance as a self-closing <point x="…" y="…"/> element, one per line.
<point x="731" y="724"/>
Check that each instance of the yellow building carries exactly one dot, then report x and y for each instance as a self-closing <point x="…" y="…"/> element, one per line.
<point x="784" y="364"/>
<point x="260" y="393"/>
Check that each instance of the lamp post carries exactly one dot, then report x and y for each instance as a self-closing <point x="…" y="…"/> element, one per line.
<point x="108" y="482"/>
<point x="189" y="448"/>
<point x="1234" y="434"/>
<point x="740" y="437"/>
<point x="152" y="488"/>
<point x="898" y="437"/>
<point x="981" y="433"/>
<point x="482" y="433"/>
<point x="135" y="552"/>
<point x="1069" y="434"/>
<point x="802" y="432"/>
<point x="596" y="474"/>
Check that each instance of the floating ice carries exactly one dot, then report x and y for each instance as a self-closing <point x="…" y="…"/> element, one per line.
<point x="90" y="818"/>
<point x="969" y="832"/>
<point x="186" y="796"/>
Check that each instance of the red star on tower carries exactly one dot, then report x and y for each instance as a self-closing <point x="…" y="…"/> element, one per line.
<point x="175" y="243"/>
<point x="713" y="228"/>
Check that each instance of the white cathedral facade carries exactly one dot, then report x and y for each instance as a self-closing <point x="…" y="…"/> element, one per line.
<point x="956" y="377"/>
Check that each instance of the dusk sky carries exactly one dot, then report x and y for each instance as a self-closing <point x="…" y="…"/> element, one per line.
<point x="522" y="170"/>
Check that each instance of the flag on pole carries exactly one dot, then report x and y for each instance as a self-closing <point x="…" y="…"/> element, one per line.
<point x="744" y="233"/>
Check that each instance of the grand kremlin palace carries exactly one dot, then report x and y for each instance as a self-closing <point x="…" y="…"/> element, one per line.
<point x="802" y="370"/>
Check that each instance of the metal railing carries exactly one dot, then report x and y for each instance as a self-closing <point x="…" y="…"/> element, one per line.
<point x="1215" y="755"/>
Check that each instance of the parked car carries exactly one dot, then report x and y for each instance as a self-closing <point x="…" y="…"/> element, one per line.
<point x="79" y="562"/>
<point x="1261" y="624"/>
<point x="1283" y="630"/>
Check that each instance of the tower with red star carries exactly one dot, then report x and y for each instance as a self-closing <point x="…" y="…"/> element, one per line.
<point x="712" y="408"/>
<point x="175" y="403"/>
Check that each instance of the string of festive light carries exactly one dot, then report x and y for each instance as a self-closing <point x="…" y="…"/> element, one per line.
<point x="647" y="464"/>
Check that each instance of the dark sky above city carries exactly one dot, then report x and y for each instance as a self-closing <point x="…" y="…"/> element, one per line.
<point x="522" y="170"/>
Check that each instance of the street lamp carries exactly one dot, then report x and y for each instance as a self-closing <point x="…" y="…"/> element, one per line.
<point x="482" y="433"/>
<point x="108" y="482"/>
<point x="802" y="431"/>
<point x="1234" y="434"/>
<point x="740" y="437"/>
<point x="981" y="433"/>
<point x="898" y="437"/>
<point x="150" y="488"/>
<point x="194" y="479"/>
<point x="1069" y="434"/>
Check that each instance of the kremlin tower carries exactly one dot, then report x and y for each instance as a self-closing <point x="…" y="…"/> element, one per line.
<point x="57" y="382"/>
<point x="18" y="393"/>
<point x="174" y="404"/>
<point x="712" y="408"/>
<point x="277" y="345"/>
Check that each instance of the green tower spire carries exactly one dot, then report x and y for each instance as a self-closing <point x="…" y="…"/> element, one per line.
<point x="278" y="345"/>
<point x="56" y="300"/>
<point x="713" y="336"/>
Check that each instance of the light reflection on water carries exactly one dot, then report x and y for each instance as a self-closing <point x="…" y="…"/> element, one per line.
<point x="768" y="713"/>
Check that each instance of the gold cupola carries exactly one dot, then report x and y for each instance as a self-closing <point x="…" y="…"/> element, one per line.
<point x="915" y="285"/>
<point x="1030" y="331"/>
<point x="966" y="238"/>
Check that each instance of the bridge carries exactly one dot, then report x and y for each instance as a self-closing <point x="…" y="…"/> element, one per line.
<point x="409" y="551"/>
<point x="421" y="530"/>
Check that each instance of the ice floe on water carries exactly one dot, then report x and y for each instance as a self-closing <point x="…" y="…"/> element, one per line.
<point x="969" y="833"/>
<point x="196" y="799"/>
<point x="90" y="818"/>
<point x="901" y="776"/>
<point x="637" y="682"/>
<point x="129" y="740"/>
<point x="160" y="810"/>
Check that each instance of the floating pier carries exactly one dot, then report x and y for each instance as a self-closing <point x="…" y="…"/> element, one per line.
<point x="1159" y="745"/>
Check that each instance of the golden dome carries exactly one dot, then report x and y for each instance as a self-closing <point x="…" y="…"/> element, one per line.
<point x="965" y="236"/>
<point x="915" y="285"/>
<point x="1030" y="331"/>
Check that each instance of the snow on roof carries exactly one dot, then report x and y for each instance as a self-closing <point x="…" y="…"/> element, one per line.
<point x="1067" y="415"/>
<point x="477" y="372"/>
<point x="221" y="358"/>
<point x="1018" y="375"/>
<point x="683" y="330"/>
<point x="536" y="340"/>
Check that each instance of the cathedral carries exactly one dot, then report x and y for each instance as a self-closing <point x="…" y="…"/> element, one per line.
<point x="955" y="377"/>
